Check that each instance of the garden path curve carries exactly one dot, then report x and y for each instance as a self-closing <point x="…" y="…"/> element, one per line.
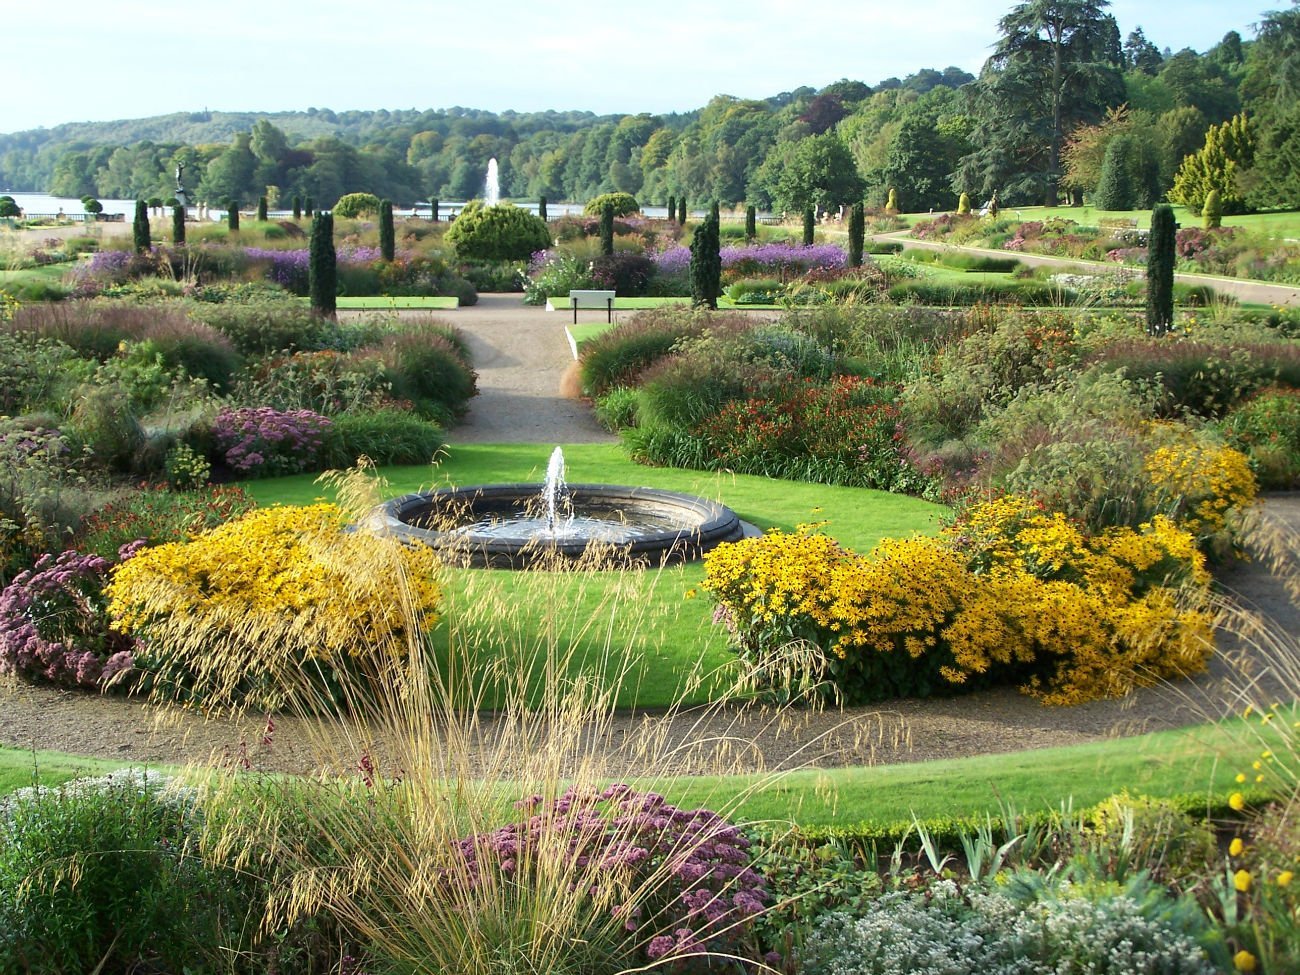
<point x="522" y="355"/>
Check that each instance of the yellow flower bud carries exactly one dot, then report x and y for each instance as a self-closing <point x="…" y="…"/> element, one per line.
<point x="1241" y="777"/>
<point x="1241" y="880"/>
<point x="1237" y="802"/>
<point x="1236" y="846"/>
<point x="1243" y="961"/>
<point x="1284" y="878"/>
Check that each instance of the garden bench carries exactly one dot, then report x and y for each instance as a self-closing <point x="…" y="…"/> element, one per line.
<point x="592" y="299"/>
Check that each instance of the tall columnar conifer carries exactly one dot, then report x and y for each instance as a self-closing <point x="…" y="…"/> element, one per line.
<point x="387" y="234"/>
<point x="140" y="227"/>
<point x="1160" y="270"/>
<point x="706" y="264"/>
<point x="751" y="222"/>
<point x="1212" y="210"/>
<point x="809" y="225"/>
<point x="232" y="214"/>
<point x="891" y="205"/>
<point x="433" y="209"/>
<point x="963" y="203"/>
<point x="715" y="211"/>
<point x="297" y="208"/>
<point x="541" y="207"/>
<point x="857" y="233"/>
<point x="322" y="269"/>
<point x="261" y="209"/>
<point x="672" y="208"/>
<point x="607" y="229"/>
<point x="309" y="208"/>
<point x="178" y="225"/>
<point x="681" y="210"/>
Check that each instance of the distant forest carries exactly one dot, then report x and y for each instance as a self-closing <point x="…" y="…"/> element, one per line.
<point x="1024" y="129"/>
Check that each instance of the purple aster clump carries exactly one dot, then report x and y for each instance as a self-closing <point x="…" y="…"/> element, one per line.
<point x="674" y="260"/>
<point x="54" y="628"/>
<point x="686" y="884"/>
<point x="356" y="254"/>
<point x="785" y="259"/>
<point x="265" y="442"/>
<point x="287" y="268"/>
<point x="104" y="269"/>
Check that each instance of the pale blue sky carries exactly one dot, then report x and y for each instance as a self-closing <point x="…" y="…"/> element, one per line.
<point x="79" y="60"/>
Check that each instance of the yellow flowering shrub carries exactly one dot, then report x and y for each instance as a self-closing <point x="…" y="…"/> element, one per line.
<point x="1199" y="484"/>
<point x="240" y="612"/>
<point x="1008" y="593"/>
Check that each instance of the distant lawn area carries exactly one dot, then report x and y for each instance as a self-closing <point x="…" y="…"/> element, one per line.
<point x="646" y="622"/>
<point x="399" y="302"/>
<point x="561" y="303"/>
<point x="1285" y="224"/>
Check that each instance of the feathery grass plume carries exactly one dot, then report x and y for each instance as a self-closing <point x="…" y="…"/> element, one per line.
<point x="461" y="820"/>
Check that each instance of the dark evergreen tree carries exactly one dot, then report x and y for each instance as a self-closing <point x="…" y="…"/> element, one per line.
<point x="1160" y="270"/>
<point x="261" y="209"/>
<point x="706" y="264"/>
<point x="309" y="208"/>
<point x="681" y="210"/>
<point x="322" y="267"/>
<point x="297" y="208"/>
<point x="178" y="226"/>
<point x="715" y="211"/>
<point x="433" y="209"/>
<point x="1115" y="189"/>
<point x="857" y="233"/>
<point x="140" y="227"/>
<point x="672" y="208"/>
<point x="809" y="225"/>
<point x="232" y="214"/>
<point x="387" y="235"/>
<point x="541" y="208"/>
<point x="607" y="229"/>
<point x="751" y="222"/>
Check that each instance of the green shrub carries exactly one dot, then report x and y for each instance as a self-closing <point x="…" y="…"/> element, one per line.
<point x="1212" y="210"/>
<point x="103" y="424"/>
<point x="626" y="273"/>
<point x="617" y="408"/>
<point x="428" y="364"/>
<point x="756" y="291"/>
<point x="1009" y="292"/>
<point x="263" y="327"/>
<point x="963" y="204"/>
<point x="353" y="205"/>
<point x="385" y="436"/>
<point x="619" y="356"/>
<point x="624" y="204"/>
<point x="387" y="232"/>
<point x="1267" y="429"/>
<point x="882" y="247"/>
<point x="979" y="262"/>
<point x="31" y="372"/>
<point x="499" y="233"/>
<point x="158" y="515"/>
<point x="1160" y="270"/>
<point x="108" y="871"/>
<point x="140" y="228"/>
<point x="322" y="267"/>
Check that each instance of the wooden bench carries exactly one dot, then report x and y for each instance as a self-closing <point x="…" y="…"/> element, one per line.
<point x="592" y="299"/>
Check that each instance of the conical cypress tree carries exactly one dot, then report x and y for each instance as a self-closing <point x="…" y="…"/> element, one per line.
<point x="706" y="264"/>
<point x="857" y="233"/>
<point x="232" y="214"/>
<point x="1212" y="210"/>
<point x="751" y="222"/>
<point x="309" y="208"/>
<point x="541" y="208"/>
<point x="322" y="269"/>
<point x="963" y="203"/>
<point x="433" y="209"/>
<point x="809" y="226"/>
<point x="1115" y="183"/>
<point x="607" y="229"/>
<point x="261" y="209"/>
<point x="891" y="205"/>
<point x="1160" y="270"/>
<point x="672" y="208"/>
<point x="387" y="235"/>
<point x="681" y="210"/>
<point x="297" y="208"/>
<point x="140" y="227"/>
<point x="178" y="225"/>
<point x="715" y="212"/>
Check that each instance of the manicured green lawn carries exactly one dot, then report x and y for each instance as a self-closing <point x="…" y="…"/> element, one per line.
<point x="49" y="273"/>
<point x="561" y="303"/>
<point x="1285" y="224"/>
<point x="384" y="302"/>
<point x="641" y="627"/>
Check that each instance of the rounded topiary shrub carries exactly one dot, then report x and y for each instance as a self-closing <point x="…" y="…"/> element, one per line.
<point x="623" y="204"/>
<point x="353" y="205"/>
<point x="498" y="233"/>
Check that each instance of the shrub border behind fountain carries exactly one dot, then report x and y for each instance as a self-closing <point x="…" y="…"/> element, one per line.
<point x="703" y="524"/>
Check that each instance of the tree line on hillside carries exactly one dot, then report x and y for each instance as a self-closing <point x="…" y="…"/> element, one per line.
<point x="1063" y="108"/>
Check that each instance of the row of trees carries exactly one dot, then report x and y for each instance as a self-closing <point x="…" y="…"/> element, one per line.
<point x="1036" y="126"/>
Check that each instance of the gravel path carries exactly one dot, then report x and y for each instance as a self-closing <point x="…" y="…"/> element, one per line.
<point x="522" y="355"/>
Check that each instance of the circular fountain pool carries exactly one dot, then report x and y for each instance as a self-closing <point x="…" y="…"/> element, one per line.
<point x="505" y="526"/>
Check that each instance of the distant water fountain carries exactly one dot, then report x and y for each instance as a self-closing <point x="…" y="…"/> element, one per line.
<point x="515" y="526"/>
<point x="492" y="189"/>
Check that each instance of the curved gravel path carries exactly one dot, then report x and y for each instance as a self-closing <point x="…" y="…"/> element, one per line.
<point x="522" y="355"/>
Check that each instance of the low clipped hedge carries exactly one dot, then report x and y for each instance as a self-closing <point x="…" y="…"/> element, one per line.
<point x="1036" y="293"/>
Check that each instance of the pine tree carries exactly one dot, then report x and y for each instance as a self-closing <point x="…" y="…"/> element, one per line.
<point x="809" y="226"/>
<point x="261" y="209"/>
<point x="1160" y="270"/>
<point x="607" y="229"/>
<point x="178" y="226"/>
<point x="322" y="268"/>
<point x="140" y="227"/>
<point x="706" y="264"/>
<point x="297" y="208"/>
<point x="857" y="233"/>
<point x="681" y="211"/>
<point x="751" y="222"/>
<point x="1212" y="210"/>
<point x="387" y="235"/>
<point x="232" y="214"/>
<point x="541" y="208"/>
<point x="672" y="208"/>
<point x="1229" y="150"/>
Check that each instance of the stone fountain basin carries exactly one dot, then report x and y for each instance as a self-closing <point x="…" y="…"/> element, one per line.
<point x="498" y="525"/>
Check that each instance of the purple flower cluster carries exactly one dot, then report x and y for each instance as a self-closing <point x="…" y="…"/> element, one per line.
<point x="268" y="442"/>
<point x="287" y="268"/>
<point x="779" y="259"/>
<point x="53" y="626"/>
<point x="23" y="445"/>
<point x="356" y="254"/>
<point x="103" y="269"/>
<point x="686" y="883"/>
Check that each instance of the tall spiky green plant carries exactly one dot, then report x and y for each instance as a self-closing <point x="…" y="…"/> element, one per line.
<point x="387" y="234"/>
<point x="1160" y="270"/>
<point x="857" y="233"/>
<point x="322" y="267"/>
